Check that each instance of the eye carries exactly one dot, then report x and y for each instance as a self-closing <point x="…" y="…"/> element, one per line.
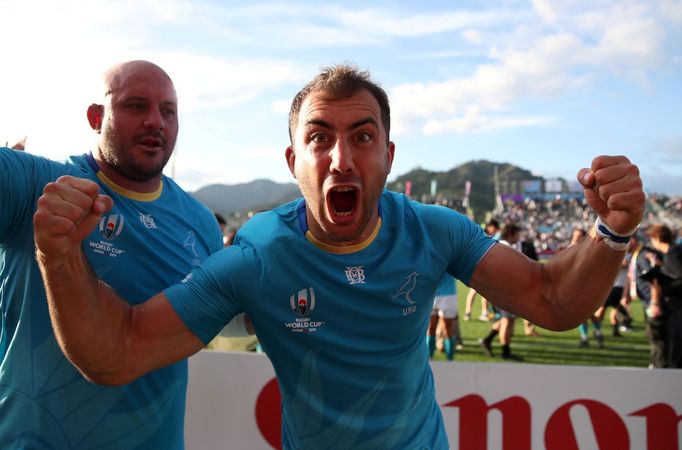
<point x="319" y="137"/>
<point x="168" y="112"/>
<point x="363" y="136"/>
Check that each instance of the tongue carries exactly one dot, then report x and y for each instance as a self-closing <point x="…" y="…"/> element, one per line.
<point x="343" y="202"/>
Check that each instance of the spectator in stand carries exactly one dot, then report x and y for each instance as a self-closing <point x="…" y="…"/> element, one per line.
<point x="222" y="223"/>
<point x="666" y="291"/>
<point x="492" y="229"/>
<point x="618" y="296"/>
<point x="504" y="325"/>
<point x="444" y="313"/>
<point x="20" y="145"/>
<point x="640" y="263"/>
<point x="526" y="247"/>
<point x="229" y="236"/>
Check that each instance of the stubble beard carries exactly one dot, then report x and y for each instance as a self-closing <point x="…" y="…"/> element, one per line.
<point x="121" y="160"/>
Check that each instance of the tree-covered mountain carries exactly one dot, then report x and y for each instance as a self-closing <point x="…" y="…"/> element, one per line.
<point x="255" y="195"/>
<point x="451" y="184"/>
<point x="264" y="194"/>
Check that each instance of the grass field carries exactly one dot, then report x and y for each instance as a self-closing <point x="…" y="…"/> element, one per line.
<point x="631" y="350"/>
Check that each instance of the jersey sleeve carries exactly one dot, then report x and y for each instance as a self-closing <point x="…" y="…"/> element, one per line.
<point x="220" y="288"/>
<point x="458" y="239"/>
<point x="471" y="245"/>
<point x="22" y="178"/>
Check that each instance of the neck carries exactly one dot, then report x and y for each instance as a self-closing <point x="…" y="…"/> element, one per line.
<point x="143" y="187"/>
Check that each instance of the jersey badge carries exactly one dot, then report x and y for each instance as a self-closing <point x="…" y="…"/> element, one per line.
<point x="110" y="227"/>
<point x="355" y="275"/>
<point x="302" y="304"/>
<point x="191" y="244"/>
<point x="404" y="295"/>
<point x="147" y="220"/>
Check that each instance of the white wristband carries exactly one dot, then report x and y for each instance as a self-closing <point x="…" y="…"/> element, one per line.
<point x="614" y="240"/>
<point x="235" y="327"/>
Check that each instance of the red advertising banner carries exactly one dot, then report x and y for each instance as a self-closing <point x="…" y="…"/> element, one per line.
<point x="233" y="402"/>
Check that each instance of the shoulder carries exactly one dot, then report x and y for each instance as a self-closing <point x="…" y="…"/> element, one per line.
<point x="21" y="160"/>
<point x="186" y="200"/>
<point x="268" y="227"/>
<point x="29" y="173"/>
<point x="396" y="204"/>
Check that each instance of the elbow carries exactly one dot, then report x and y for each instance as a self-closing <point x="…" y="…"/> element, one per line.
<point x="561" y="325"/>
<point x="562" y="319"/>
<point x="106" y="378"/>
<point x="98" y="374"/>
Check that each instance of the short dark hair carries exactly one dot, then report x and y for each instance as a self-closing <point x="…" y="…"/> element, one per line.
<point x="493" y="223"/>
<point x="339" y="82"/>
<point x="219" y="217"/>
<point x="509" y="230"/>
<point x="661" y="232"/>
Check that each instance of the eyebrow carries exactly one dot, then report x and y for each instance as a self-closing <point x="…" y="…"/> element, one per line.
<point x="359" y="123"/>
<point x="141" y="98"/>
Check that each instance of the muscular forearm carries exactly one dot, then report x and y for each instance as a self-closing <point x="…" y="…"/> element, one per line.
<point x="89" y="320"/>
<point x="578" y="280"/>
<point x="108" y="340"/>
<point x="558" y="295"/>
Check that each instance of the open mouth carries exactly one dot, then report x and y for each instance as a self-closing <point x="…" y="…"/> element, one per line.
<point x="342" y="201"/>
<point x="151" y="142"/>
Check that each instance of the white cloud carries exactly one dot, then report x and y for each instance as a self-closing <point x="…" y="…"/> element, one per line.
<point x="545" y="10"/>
<point x="670" y="150"/>
<point x="474" y="121"/>
<point x="281" y="106"/>
<point x="209" y="82"/>
<point x="672" y="9"/>
<point x="620" y="39"/>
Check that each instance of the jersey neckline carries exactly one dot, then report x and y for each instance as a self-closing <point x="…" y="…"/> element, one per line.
<point x="139" y="196"/>
<point x="341" y="250"/>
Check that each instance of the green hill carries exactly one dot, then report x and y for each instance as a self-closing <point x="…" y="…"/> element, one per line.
<point x="451" y="184"/>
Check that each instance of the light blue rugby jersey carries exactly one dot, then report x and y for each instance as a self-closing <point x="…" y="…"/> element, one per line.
<point x="343" y="327"/>
<point x="144" y="244"/>
<point x="447" y="286"/>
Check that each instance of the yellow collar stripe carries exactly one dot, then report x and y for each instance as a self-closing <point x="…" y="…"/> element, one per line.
<point x="345" y="250"/>
<point x="142" y="197"/>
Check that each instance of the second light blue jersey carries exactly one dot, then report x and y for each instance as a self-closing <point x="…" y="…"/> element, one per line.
<point x="143" y="244"/>
<point x="447" y="286"/>
<point x="343" y="327"/>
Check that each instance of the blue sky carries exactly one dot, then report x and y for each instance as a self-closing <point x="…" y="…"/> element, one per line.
<point x="546" y="85"/>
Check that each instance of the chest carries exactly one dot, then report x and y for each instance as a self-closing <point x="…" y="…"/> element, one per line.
<point x="140" y="251"/>
<point x="339" y="300"/>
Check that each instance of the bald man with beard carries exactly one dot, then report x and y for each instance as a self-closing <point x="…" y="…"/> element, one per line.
<point x="137" y="248"/>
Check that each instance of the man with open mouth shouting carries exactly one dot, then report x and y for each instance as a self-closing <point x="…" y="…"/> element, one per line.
<point x="338" y="284"/>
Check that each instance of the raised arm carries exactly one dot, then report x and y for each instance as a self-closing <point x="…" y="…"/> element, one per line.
<point x="561" y="294"/>
<point x="107" y="339"/>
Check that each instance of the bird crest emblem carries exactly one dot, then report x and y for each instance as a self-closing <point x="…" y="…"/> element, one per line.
<point x="407" y="288"/>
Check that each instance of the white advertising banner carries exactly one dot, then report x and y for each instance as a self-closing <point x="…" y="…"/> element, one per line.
<point x="233" y="403"/>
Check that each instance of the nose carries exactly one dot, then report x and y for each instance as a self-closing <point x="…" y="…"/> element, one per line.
<point x="341" y="157"/>
<point x="154" y="119"/>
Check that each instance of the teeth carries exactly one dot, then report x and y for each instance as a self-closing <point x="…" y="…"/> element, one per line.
<point x="343" y="189"/>
<point x="342" y="214"/>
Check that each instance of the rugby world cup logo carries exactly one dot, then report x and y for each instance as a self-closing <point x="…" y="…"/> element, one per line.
<point x="303" y="302"/>
<point x="111" y="226"/>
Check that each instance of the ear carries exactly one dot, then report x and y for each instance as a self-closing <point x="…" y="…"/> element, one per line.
<point x="291" y="159"/>
<point x="390" y="153"/>
<point x="95" y="116"/>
